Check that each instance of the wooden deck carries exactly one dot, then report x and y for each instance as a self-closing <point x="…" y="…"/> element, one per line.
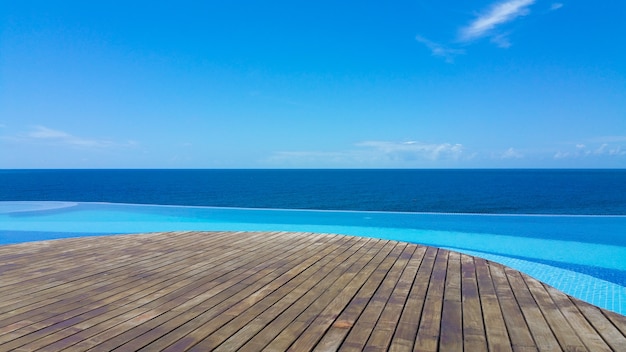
<point x="281" y="291"/>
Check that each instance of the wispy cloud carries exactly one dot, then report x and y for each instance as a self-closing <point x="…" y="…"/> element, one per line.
<point x="413" y="150"/>
<point x="304" y="158"/>
<point x="501" y="40"/>
<point x="43" y="134"/>
<point x="615" y="149"/>
<point x="374" y="153"/>
<point x="61" y="137"/>
<point x="498" y="14"/>
<point x="487" y="24"/>
<point x="511" y="153"/>
<point x="609" y="139"/>
<point x="555" y="6"/>
<point x="439" y="50"/>
<point x="411" y="154"/>
<point x="606" y="149"/>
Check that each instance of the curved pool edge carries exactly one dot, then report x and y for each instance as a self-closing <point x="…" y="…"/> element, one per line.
<point x="88" y="219"/>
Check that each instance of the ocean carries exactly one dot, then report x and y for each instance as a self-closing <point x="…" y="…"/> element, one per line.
<point x="572" y="192"/>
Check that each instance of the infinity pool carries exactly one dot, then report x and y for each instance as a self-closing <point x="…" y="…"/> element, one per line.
<point x="584" y="256"/>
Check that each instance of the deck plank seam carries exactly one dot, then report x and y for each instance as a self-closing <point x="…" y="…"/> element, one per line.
<point x="373" y="311"/>
<point x="283" y="290"/>
<point x="328" y="271"/>
<point x="227" y="307"/>
<point x="418" y="294"/>
<point x="530" y="307"/>
<point x="270" y="242"/>
<point x="341" y="326"/>
<point x="552" y="314"/>
<point x="488" y="294"/>
<point x="324" y="320"/>
<point x="112" y="272"/>
<point x="377" y="276"/>
<point x="401" y="295"/>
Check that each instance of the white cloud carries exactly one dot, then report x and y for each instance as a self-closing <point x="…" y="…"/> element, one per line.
<point x="49" y="136"/>
<point x="555" y="6"/>
<point x="612" y="150"/>
<point x="312" y="157"/>
<point x="316" y="159"/>
<point x="374" y="153"/>
<point x="42" y="132"/>
<point x="498" y="14"/>
<point x="602" y="150"/>
<point x="511" y="153"/>
<point x="415" y="150"/>
<point x="485" y="24"/>
<point x="61" y="137"/>
<point x="561" y="155"/>
<point x="501" y="40"/>
<point x="610" y="139"/>
<point x="439" y="50"/>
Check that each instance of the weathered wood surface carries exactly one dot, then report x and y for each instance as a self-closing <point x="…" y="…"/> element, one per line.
<point x="279" y="291"/>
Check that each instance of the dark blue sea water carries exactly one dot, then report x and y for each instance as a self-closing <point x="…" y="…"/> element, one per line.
<point x="589" y="192"/>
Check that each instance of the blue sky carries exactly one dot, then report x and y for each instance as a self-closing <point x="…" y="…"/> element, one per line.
<point x="313" y="84"/>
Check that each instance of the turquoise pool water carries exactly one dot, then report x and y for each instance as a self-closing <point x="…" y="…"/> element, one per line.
<point x="584" y="256"/>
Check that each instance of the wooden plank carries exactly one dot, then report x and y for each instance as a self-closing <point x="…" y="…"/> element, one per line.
<point x="617" y="319"/>
<point x="369" y="330"/>
<point x="180" y="318"/>
<point x="336" y="334"/>
<point x="389" y="320"/>
<point x="191" y="326"/>
<point x="291" y="323"/>
<point x="473" y="327"/>
<point x="100" y="264"/>
<point x="69" y="255"/>
<point x="308" y="338"/>
<point x="540" y="329"/>
<point x="281" y="291"/>
<point x="605" y="328"/>
<point x="89" y="286"/>
<point x="495" y="327"/>
<point x="148" y="297"/>
<point x="74" y="296"/>
<point x="451" y="336"/>
<point x="430" y="324"/>
<point x="567" y="337"/>
<point x="519" y="332"/>
<point x="255" y="327"/>
<point x="39" y="281"/>
<point x="581" y="326"/>
<point x="404" y="336"/>
<point x="129" y="289"/>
